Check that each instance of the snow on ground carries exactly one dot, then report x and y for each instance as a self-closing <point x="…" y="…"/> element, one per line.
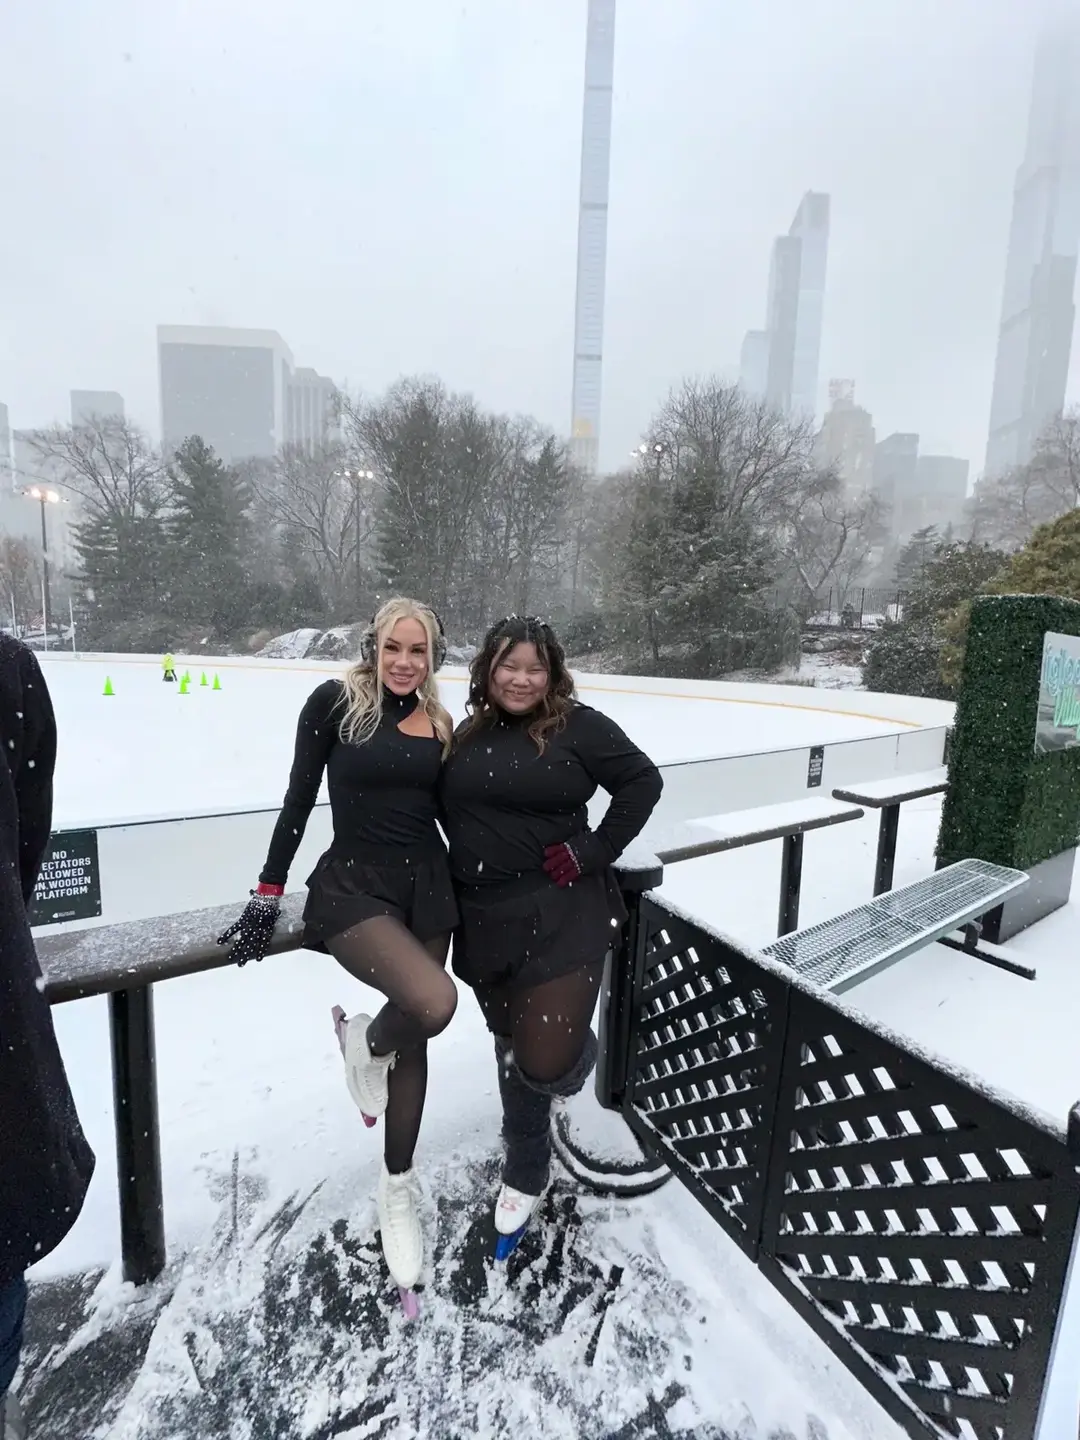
<point x="253" y="1103"/>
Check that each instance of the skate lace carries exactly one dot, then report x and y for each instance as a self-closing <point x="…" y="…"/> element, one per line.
<point x="399" y="1204"/>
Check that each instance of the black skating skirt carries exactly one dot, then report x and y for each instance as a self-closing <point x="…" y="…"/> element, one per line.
<point x="414" y="888"/>
<point x="528" y="931"/>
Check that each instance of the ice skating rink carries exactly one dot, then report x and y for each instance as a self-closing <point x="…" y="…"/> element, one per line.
<point x="252" y="1095"/>
<point x="150" y="750"/>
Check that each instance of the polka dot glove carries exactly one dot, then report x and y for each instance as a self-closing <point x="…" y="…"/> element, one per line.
<point x="254" y="930"/>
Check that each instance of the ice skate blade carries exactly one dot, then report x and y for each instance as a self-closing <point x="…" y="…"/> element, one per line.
<point x="340" y="1022"/>
<point x="505" y="1245"/>
<point x="338" y="1015"/>
<point x="410" y="1304"/>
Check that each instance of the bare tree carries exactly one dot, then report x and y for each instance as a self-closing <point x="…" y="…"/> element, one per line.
<point x="326" y="507"/>
<point x="20" y="580"/>
<point x="1007" y="510"/>
<point x="829" y="536"/>
<point x="109" y="463"/>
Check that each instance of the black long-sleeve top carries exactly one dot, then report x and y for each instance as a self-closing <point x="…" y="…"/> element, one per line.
<point x="383" y="793"/>
<point x="503" y="802"/>
<point x="28" y="733"/>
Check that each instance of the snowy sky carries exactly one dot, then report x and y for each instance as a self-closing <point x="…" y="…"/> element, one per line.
<point x="392" y="185"/>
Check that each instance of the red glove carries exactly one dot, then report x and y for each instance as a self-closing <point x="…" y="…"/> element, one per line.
<point x="562" y="864"/>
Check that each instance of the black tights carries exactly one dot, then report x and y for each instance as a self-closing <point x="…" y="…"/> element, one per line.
<point x="547" y="1025"/>
<point x="420" y="1002"/>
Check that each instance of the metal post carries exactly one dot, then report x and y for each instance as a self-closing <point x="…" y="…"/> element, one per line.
<point x="623" y="973"/>
<point x="138" y="1142"/>
<point x="790" y="884"/>
<point x="886" y="848"/>
<point x="45" y="597"/>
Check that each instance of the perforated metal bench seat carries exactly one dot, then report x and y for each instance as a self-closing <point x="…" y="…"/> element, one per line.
<point x="848" y="949"/>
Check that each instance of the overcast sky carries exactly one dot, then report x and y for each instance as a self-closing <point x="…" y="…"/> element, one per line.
<point x="392" y="185"/>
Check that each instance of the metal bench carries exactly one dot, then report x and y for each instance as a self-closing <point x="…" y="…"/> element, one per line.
<point x="887" y="796"/>
<point x="846" y="950"/>
<point x="788" y="821"/>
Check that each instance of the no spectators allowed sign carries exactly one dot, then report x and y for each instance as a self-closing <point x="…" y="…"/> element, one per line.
<point x="69" y="886"/>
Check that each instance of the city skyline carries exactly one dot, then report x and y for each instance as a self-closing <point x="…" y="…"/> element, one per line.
<point x="449" y="280"/>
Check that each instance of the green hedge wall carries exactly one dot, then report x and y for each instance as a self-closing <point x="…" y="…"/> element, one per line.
<point x="1006" y="804"/>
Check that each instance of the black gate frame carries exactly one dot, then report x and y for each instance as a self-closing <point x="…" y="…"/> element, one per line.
<point x="789" y="1116"/>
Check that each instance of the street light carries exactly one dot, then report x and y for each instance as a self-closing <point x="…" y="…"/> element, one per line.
<point x="356" y="476"/>
<point x="44" y="497"/>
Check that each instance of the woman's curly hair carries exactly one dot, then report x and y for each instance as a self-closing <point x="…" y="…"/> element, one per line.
<point x="559" y="699"/>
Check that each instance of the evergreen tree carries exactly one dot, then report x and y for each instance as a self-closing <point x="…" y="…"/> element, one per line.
<point x="208" y="531"/>
<point x="1049" y="564"/>
<point x="910" y="656"/>
<point x="124" y="570"/>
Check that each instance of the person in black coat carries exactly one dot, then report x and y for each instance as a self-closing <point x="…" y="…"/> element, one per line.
<point x="45" y="1162"/>
<point x="540" y="907"/>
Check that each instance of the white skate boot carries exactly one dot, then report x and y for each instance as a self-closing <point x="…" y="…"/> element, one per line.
<point x="366" y="1075"/>
<point x="402" y="1237"/>
<point x="513" y="1211"/>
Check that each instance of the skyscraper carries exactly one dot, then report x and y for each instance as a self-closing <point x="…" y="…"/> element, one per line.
<point x="87" y="405"/>
<point x="787" y="353"/>
<point x="846" y="440"/>
<point x="309" y="409"/>
<point x="592" y="234"/>
<point x="227" y="386"/>
<point x="1037" y="310"/>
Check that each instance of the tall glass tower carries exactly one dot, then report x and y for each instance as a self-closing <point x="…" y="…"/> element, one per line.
<point x="1037" y="311"/>
<point x="592" y="235"/>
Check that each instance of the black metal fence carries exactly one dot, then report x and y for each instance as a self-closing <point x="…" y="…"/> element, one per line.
<point x="921" y="1224"/>
<point x="856" y="607"/>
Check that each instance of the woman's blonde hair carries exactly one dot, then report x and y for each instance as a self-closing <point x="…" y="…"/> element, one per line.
<point x="362" y="697"/>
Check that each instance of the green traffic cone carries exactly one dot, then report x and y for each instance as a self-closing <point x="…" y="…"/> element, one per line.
<point x="217" y="683"/>
<point x="187" y="677"/>
<point x="204" y="680"/>
<point x="108" y="687"/>
<point x="184" y="683"/>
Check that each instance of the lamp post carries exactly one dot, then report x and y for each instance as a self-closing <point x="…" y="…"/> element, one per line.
<point x="44" y="497"/>
<point x="355" y="477"/>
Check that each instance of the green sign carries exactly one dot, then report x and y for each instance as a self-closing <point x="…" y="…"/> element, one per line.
<point x="1058" y="724"/>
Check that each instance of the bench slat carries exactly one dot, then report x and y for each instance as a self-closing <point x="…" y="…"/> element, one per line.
<point x="715" y="833"/>
<point x="846" y="950"/>
<point x="896" y="788"/>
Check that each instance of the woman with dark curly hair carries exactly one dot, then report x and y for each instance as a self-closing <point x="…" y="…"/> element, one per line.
<point x="539" y="904"/>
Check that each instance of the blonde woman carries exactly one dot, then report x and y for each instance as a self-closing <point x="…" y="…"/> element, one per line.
<point x="380" y="900"/>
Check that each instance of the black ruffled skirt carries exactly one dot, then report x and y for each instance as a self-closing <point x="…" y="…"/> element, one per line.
<point x="529" y="931"/>
<point x="414" y="888"/>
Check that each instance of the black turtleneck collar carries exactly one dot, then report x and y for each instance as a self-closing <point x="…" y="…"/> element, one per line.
<point x="398" y="706"/>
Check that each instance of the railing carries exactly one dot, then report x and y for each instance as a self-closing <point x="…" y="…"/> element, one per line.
<point x="140" y="868"/>
<point x="856" y="607"/>
<point x="924" y="1225"/>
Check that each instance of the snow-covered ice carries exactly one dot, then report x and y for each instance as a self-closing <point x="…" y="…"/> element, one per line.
<point x="251" y="1090"/>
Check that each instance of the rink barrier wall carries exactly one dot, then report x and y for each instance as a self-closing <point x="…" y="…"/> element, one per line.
<point x="160" y="864"/>
<point x="923" y="1223"/>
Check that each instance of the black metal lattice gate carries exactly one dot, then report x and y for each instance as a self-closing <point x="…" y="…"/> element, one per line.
<point x="920" y="1223"/>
